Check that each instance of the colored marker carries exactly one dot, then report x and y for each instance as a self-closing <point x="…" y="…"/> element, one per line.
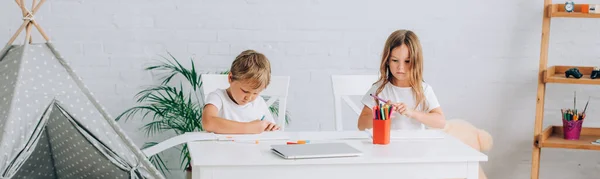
<point x="382" y="110"/>
<point x="380" y="99"/>
<point x="303" y="141"/>
<point x="299" y="142"/>
<point x="262" y="117"/>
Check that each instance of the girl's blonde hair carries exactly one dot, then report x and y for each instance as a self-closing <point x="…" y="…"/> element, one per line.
<point x="252" y="67"/>
<point x="415" y="74"/>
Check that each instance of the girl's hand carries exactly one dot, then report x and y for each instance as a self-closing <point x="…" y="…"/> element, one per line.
<point x="402" y="109"/>
<point x="399" y="107"/>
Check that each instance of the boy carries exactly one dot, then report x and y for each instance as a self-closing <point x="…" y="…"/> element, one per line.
<point x="239" y="109"/>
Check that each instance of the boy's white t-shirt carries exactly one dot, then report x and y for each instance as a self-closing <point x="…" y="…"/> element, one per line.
<point x="228" y="109"/>
<point x="404" y="95"/>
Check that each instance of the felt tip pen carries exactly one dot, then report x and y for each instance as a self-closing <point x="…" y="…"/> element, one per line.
<point x="298" y="142"/>
<point x="263" y="117"/>
<point x="380" y="99"/>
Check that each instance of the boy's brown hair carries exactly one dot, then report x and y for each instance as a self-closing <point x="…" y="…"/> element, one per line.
<point x="252" y="67"/>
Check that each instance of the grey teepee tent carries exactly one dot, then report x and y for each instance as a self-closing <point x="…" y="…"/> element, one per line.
<point x="50" y="124"/>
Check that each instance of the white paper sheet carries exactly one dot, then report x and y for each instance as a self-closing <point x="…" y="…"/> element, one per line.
<point x="275" y="135"/>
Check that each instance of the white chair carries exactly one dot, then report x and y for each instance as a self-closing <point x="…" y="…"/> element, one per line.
<point x="277" y="90"/>
<point x="349" y="85"/>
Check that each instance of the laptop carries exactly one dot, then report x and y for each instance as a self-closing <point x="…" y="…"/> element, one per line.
<point x="315" y="150"/>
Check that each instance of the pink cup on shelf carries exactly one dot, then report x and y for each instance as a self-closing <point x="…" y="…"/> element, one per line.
<point x="572" y="129"/>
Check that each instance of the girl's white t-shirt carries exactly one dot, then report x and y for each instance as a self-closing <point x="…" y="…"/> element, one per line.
<point x="404" y="95"/>
<point x="228" y="109"/>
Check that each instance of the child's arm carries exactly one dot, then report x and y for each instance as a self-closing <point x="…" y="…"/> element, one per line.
<point x="435" y="118"/>
<point x="212" y="123"/>
<point x="365" y="120"/>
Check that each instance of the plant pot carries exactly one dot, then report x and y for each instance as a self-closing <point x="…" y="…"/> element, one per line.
<point x="188" y="173"/>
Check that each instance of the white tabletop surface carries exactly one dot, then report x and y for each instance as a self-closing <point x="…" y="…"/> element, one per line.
<point x="405" y="147"/>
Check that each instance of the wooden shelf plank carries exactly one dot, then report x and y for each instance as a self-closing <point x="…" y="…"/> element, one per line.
<point x="558" y="10"/>
<point x="553" y="138"/>
<point x="556" y="74"/>
<point x="574" y="15"/>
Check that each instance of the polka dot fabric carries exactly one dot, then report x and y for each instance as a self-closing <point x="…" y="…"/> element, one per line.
<point x="75" y="156"/>
<point x="9" y="70"/>
<point x="41" y="78"/>
<point x="14" y="128"/>
<point x="54" y="82"/>
<point x="39" y="164"/>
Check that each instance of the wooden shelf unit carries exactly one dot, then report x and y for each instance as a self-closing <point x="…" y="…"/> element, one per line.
<point x="558" y="10"/>
<point x="556" y="74"/>
<point x="552" y="136"/>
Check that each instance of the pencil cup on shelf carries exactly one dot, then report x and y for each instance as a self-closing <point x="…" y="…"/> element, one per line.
<point x="572" y="129"/>
<point x="572" y="120"/>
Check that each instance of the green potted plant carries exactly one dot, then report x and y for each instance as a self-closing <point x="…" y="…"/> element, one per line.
<point x="173" y="105"/>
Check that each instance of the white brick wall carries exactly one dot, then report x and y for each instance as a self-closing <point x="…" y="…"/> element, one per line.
<point x="480" y="56"/>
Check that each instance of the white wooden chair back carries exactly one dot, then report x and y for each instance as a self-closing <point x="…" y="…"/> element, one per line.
<point x="277" y="90"/>
<point x="349" y="85"/>
<point x="212" y="82"/>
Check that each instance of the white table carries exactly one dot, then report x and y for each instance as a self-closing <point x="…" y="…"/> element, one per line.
<point x="406" y="157"/>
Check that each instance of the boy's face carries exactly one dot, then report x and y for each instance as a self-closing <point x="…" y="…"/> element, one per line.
<point x="243" y="92"/>
<point x="399" y="62"/>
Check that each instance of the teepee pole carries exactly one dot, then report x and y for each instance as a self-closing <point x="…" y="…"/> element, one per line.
<point x="25" y="14"/>
<point x="28" y="22"/>
<point x="37" y="7"/>
<point x="37" y="26"/>
<point x="22" y="6"/>
<point x="28" y="33"/>
<point x="34" y="22"/>
<point x="14" y="37"/>
<point x="29" y="25"/>
<point x="33" y="5"/>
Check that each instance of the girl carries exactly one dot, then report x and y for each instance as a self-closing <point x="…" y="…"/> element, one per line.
<point x="401" y="83"/>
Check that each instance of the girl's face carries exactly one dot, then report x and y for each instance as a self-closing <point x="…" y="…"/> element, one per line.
<point x="399" y="63"/>
<point x="243" y="92"/>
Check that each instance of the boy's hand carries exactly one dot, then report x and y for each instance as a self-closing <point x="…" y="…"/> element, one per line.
<point x="257" y="126"/>
<point x="272" y="127"/>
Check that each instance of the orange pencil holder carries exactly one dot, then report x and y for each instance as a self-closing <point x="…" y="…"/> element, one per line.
<point x="381" y="131"/>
